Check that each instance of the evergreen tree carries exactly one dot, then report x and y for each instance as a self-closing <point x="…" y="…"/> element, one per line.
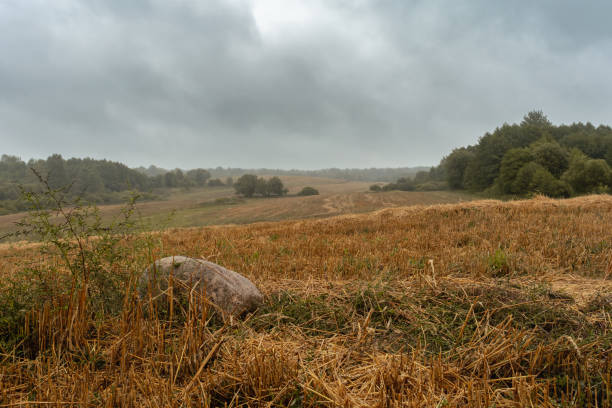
<point x="56" y="172"/>
<point x="536" y="118"/>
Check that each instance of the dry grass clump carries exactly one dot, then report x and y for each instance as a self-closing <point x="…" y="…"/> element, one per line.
<point x="355" y="314"/>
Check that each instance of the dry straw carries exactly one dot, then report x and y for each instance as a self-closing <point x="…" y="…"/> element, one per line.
<point x="355" y="316"/>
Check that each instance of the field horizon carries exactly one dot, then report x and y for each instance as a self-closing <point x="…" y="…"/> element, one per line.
<point x="221" y="205"/>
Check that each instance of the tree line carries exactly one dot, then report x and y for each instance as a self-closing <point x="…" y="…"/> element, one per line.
<point x="100" y="181"/>
<point x="532" y="157"/>
<point x="249" y="185"/>
<point x="103" y="181"/>
<point x="369" y="174"/>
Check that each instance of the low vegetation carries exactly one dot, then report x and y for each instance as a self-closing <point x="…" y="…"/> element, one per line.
<point x="408" y="184"/>
<point x="476" y="304"/>
<point x="308" y="191"/>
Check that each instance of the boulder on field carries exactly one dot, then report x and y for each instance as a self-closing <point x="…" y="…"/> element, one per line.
<point x="229" y="291"/>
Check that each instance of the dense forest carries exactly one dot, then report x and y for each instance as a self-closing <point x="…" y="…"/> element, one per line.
<point x="533" y="157"/>
<point x="99" y="181"/>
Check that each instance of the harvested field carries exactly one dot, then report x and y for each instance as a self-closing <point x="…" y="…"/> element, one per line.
<point x="220" y="205"/>
<point x="474" y="304"/>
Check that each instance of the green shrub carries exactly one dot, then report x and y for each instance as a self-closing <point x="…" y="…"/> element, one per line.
<point x="534" y="178"/>
<point x="552" y="156"/>
<point x="215" y="183"/>
<point x="498" y="263"/>
<point x="512" y="162"/>
<point x="88" y="265"/>
<point x="308" y="191"/>
<point x="587" y="175"/>
<point x="432" y="186"/>
<point x="402" y="184"/>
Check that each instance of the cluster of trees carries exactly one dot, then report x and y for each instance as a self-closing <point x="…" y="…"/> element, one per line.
<point x="84" y="174"/>
<point x="100" y="181"/>
<point x="534" y="157"/>
<point x="520" y="159"/>
<point x="249" y="185"/>
<point x="179" y="178"/>
<point x="96" y="180"/>
<point x="94" y="176"/>
<point x="151" y="171"/>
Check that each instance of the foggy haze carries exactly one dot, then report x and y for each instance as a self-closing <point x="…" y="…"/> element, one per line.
<point x="291" y="84"/>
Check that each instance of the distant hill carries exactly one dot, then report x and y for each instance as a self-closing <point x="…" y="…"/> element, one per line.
<point x="371" y="174"/>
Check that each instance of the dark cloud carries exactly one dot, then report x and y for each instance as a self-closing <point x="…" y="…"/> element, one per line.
<point x="291" y="84"/>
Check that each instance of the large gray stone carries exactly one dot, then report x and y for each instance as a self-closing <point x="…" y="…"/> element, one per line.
<point x="229" y="291"/>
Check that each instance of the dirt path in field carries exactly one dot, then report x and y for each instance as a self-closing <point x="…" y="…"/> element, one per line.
<point x="343" y="203"/>
<point x="328" y="205"/>
<point x="337" y="203"/>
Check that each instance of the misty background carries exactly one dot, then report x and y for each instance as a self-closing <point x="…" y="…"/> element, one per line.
<point x="291" y="84"/>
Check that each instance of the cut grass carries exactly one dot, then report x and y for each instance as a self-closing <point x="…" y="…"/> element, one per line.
<point x="220" y="206"/>
<point x="356" y="314"/>
<point x="430" y="317"/>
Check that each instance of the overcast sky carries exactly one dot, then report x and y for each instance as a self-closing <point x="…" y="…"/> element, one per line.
<point x="292" y="84"/>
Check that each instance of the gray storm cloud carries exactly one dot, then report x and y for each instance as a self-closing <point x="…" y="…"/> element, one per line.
<point x="290" y="84"/>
